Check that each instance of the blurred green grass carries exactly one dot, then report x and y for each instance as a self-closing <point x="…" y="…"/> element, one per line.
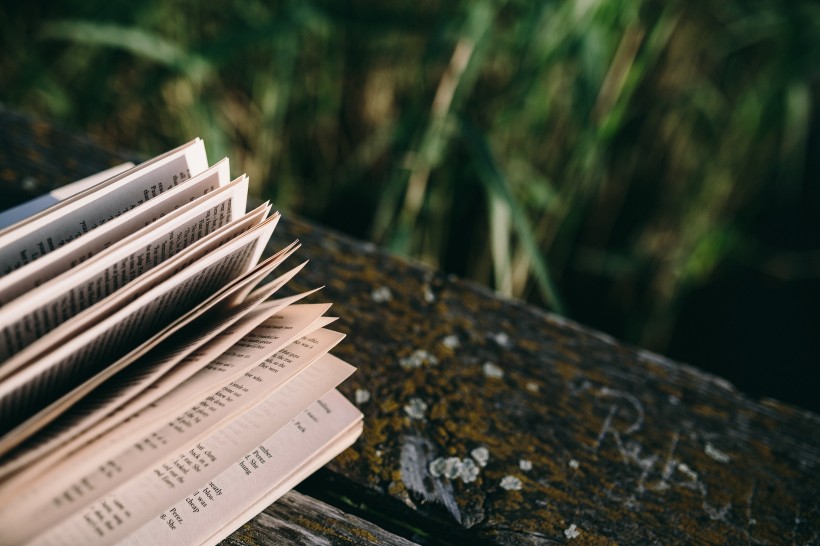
<point x="607" y="159"/>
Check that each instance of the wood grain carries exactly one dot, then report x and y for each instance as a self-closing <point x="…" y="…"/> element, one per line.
<point x="583" y="437"/>
<point x="490" y="421"/>
<point x="299" y="520"/>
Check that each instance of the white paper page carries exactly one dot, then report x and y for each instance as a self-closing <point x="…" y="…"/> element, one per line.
<point x="70" y="199"/>
<point x="129" y="392"/>
<point x="89" y="352"/>
<point x="247" y="370"/>
<point x="15" y="437"/>
<point x="138" y="426"/>
<point x="115" y="400"/>
<point x="220" y="506"/>
<point x="130" y="411"/>
<point x="287" y="456"/>
<point x="154" y="386"/>
<point x="77" y="251"/>
<point x="47" y="346"/>
<point x="145" y="489"/>
<point x="71" y="218"/>
<point x="335" y="447"/>
<point x="39" y="311"/>
<point x="43" y="347"/>
<point x="242" y="393"/>
<point x="28" y="209"/>
<point x="82" y="422"/>
<point x="289" y="323"/>
<point x="73" y="188"/>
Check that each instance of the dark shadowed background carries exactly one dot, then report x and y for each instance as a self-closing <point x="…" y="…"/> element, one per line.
<point x="646" y="167"/>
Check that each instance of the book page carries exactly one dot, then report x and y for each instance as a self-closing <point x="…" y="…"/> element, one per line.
<point x="70" y="198"/>
<point x="141" y="425"/>
<point x="86" y="319"/>
<point x="39" y="311"/>
<point x="144" y="484"/>
<point x="144" y="382"/>
<point x="117" y="398"/>
<point x="224" y="297"/>
<point x="73" y="188"/>
<point x="95" y="241"/>
<point x="72" y="217"/>
<point x="241" y="391"/>
<point x="45" y="416"/>
<point x="310" y="465"/>
<point x="287" y="325"/>
<point x="242" y="359"/>
<point x="28" y="209"/>
<point x="68" y="365"/>
<point x="219" y="506"/>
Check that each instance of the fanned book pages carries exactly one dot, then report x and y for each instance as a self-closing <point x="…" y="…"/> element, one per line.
<point x="153" y="387"/>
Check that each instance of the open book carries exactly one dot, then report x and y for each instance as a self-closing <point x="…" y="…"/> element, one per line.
<point x="153" y="387"/>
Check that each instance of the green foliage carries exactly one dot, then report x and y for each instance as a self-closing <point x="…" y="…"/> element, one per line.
<point x="526" y="145"/>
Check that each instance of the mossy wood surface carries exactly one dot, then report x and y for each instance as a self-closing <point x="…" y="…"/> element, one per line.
<point x="491" y="421"/>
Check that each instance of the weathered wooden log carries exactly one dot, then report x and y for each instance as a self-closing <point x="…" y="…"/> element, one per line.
<point x="299" y="520"/>
<point x="487" y="420"/>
